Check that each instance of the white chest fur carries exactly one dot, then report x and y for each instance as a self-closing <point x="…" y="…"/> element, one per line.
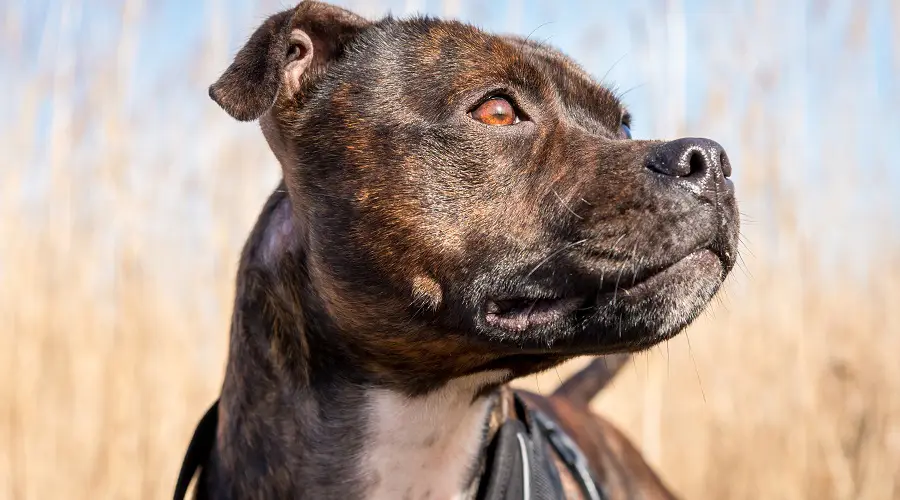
<point x="425" y="447"/>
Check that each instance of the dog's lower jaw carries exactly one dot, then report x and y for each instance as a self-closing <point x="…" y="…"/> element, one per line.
<point x="427" y="446"/>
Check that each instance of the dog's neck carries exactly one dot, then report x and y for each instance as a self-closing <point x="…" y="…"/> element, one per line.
<point x="297" y="419"/>
<point x="337" y="439"/>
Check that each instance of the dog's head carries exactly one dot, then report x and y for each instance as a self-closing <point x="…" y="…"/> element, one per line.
<point x="476" y="201"/>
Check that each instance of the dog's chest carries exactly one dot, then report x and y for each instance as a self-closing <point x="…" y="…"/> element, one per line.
<point x="425" y="448"/>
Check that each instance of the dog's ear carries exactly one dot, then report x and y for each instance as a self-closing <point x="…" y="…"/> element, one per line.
<point x="277" y="56"/>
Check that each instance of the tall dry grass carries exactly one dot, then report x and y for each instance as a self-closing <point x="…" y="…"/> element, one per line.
<point x="122" y="214"/>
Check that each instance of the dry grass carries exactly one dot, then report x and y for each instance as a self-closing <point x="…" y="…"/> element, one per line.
<point x="116" y="267"/>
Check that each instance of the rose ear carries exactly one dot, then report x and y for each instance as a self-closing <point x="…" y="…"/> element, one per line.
<point x="280" y="53"/>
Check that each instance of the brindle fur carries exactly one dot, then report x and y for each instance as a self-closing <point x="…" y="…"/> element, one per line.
<point x="399" y="217"/>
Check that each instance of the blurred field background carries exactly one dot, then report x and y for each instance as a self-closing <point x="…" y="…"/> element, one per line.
<point x="125" y="195"/>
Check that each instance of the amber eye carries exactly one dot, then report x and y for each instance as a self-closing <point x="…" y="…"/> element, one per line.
<point x="496" y="111"/>
<point x="625" y="127"/>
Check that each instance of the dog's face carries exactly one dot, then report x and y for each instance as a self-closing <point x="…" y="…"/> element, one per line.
<point x="478" y="198"/>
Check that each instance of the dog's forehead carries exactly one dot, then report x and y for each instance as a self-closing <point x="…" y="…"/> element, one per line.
<point x="455" y="58"/>
<point x="576" y="86"/>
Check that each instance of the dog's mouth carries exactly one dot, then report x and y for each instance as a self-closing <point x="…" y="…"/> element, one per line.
<point x="519" y="314"/>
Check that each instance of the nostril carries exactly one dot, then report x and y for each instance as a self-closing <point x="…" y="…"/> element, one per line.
<point x="725" y="164"/>
<point x="696" y="163"/>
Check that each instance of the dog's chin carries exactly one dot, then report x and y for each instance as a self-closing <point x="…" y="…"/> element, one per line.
<point x="611" y="318"/>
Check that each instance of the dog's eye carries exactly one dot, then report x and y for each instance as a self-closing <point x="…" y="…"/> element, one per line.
<point x="496" y="111"/>
<point x="625" y="126"/>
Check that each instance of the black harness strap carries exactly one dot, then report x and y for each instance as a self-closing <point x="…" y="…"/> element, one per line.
<point x="519" y="463"/>
<point x="199" y="450"/>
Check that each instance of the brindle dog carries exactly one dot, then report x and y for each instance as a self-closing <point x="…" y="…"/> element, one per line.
<point x="458" y="209"/>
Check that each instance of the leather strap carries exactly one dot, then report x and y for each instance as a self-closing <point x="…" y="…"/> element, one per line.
<point x="520" y="464"/>
<point x="571" y="455"/>
<point x="199" y="450"/>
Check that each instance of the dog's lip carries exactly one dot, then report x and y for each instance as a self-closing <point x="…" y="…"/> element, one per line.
<point x="631" y="278"/>
<point x="520" y="313"/>
<point x="647" y="281"/>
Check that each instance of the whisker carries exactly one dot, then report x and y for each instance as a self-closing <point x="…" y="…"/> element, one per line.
<point x="696" y="371"/>
<point x="743" y="266"/>
<point x="530" y="309"/>
<point x="558" y="197"/>
<point x="613" y="67"/>
<point x="616" y="288"/>
<point x="668" y="361"/>
<point x="637" y="266"/>
<point x="539" y="27"/>
<point x="614" y="245"/>
<point x="720" y="301"/>
<point x="621" y="269"/>
<point x="554" y="254"/>
<point x="743" y="243"/>
<point x="621" y="95"/>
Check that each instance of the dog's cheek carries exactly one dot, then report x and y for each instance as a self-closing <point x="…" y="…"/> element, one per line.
<point x="349" y="313"/>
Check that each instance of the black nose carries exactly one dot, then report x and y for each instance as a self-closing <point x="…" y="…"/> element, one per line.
<point x="691" y="161"/>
